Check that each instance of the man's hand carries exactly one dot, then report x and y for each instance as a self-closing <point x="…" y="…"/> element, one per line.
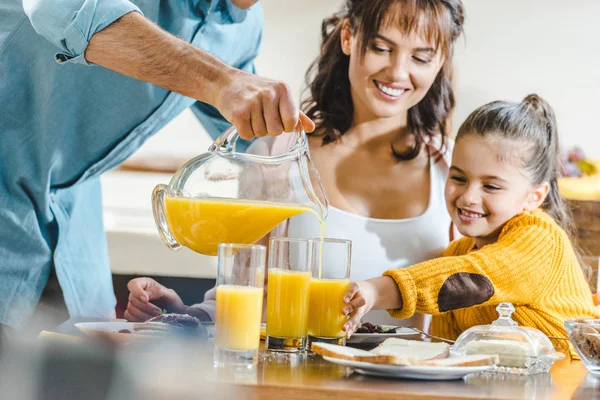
<point x="258" y="106"/>
<point x="147" y="298"/>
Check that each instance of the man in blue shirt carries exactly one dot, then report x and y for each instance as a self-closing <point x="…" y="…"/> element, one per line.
<point x="83" y="83"/>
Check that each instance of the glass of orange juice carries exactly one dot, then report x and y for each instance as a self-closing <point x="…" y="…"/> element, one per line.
<point x="290" y="272"/>
<point x="240" y="283"/>
<point x="330" y="280"/>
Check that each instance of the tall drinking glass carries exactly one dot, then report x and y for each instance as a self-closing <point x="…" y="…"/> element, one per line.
<point x="240" y="282"/>
<point x="290" y="266"/>
<point x="330" y="280"/>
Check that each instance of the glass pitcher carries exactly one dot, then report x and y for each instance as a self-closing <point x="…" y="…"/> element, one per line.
<point x="223" y="196"/>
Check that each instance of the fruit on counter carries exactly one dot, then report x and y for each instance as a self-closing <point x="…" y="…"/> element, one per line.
<point x="582" y="188"/>
<point x="581" y="180"/>
<point x="574" y="164"/>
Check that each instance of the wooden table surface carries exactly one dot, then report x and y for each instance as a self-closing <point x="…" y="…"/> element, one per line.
<point x="311" y="377"/>
<point x="188" y="373"/>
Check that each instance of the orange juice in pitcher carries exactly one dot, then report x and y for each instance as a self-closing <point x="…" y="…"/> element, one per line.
<point x="202" y="224"/>
<point x="223" y="196"/>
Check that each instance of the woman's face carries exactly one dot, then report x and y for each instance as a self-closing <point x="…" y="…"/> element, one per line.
<point x="395" y="73"/>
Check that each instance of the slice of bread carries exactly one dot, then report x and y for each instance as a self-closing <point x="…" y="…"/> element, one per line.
<point x="350" y="353"/>
<point x="462" y="361"/>
<point x="413" y="349"/>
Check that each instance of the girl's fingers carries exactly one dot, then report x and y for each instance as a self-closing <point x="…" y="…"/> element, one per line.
<point x="357" y="302"/>
<point x="350" y="292"/>
<point x="353" y="322"/>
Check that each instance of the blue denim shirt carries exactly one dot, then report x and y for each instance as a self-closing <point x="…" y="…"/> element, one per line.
<point x="64" y="121"/>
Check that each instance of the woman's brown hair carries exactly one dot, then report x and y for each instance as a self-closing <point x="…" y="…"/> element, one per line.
<point x="330" y="103"/>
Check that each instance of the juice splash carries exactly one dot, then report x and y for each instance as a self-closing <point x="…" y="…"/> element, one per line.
<point x="201" y="224"/>
<point x="237" y="317"/>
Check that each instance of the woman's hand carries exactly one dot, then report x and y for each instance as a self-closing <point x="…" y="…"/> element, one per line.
<point x="147" y="299"/>
<point x="358" y="300"/>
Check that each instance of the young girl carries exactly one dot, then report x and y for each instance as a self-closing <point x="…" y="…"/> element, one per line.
<point x="502" y="196"/>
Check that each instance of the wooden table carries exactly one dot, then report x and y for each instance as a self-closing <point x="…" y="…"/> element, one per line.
<point x="293" y="377"/>
<point x="311" y="377"/>
<point x="186" y="372"/>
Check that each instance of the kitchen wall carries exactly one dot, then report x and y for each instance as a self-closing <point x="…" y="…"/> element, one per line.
<point x="511" y="48"/>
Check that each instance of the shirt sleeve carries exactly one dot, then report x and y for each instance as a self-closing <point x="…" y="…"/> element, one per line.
<point x="70" y="24"/>
<point x="209" y="305"/>
<point x="508" y="270"/>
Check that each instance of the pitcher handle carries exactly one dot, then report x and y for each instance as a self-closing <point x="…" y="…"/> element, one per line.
<point x="228" y="139"/>
<point x="160" y="217"/>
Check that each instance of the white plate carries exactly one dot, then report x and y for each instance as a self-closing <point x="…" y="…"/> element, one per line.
<point x="430" y="373"/>
<point x="376" y="338"/>
<point x="111" y="330"/>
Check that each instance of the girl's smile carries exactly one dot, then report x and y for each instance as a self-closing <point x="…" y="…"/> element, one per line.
<point x="486" y="187"/>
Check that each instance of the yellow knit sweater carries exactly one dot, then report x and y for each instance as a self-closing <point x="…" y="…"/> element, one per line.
<point x="532" y="265"/>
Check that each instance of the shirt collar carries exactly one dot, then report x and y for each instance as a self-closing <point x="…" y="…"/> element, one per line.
<point x="237" y="14"/>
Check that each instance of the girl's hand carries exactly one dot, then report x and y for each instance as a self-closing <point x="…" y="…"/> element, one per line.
<point x="358" y="300"/>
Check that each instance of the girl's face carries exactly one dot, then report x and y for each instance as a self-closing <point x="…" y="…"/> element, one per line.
<point x="486" y="187"/>
<point x="395" y="73"/>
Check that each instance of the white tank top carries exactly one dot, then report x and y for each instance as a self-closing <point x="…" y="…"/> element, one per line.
<point x="382" y="244"/>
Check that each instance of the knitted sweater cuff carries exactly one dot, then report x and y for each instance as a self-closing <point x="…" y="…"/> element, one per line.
<point x="408" y="292"/>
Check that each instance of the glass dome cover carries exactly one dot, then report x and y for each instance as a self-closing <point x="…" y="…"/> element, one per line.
<point x="520" y="350"/>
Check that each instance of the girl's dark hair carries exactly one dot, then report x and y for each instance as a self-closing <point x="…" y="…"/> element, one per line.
<point x="330" y="103"/>
<point x="532" y="124"/>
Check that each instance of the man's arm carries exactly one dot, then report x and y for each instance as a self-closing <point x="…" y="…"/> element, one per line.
<point x="135" y="47"/>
